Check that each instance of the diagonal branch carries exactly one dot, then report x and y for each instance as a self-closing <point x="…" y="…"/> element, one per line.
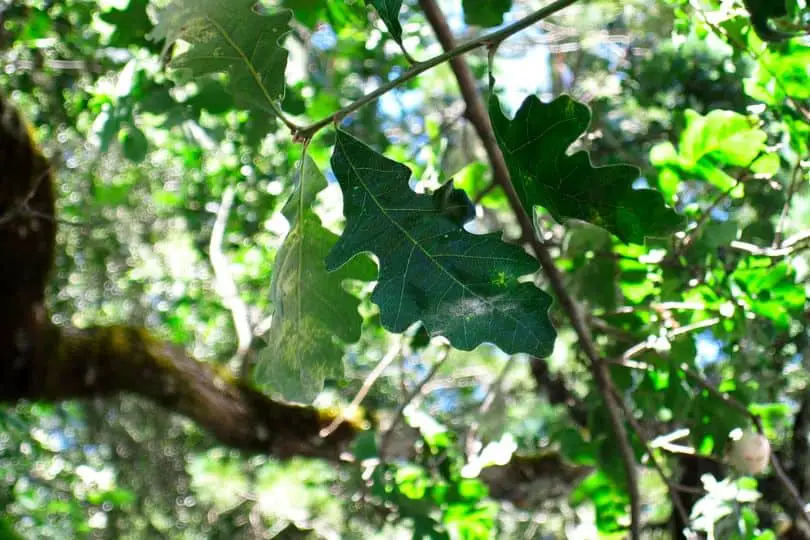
<point x="71" y="363"/>
<point x="489" y="40"/>
<point x="476" y="113"/>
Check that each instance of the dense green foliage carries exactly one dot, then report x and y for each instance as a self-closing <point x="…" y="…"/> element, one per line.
<point x="294" y="192"/>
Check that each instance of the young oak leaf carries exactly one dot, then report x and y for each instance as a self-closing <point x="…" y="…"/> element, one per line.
<point x="314" y="316"/>
<point x="230" y="36"/>
<point x="460" y="285"/>
<point x="534" y="145"/>
<point x="711" y="143"/>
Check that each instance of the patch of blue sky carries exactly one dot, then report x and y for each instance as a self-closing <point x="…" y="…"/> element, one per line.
<point x="518" y="76"/>
<point x="324" y="38"/>
<point x="709" y="349"/>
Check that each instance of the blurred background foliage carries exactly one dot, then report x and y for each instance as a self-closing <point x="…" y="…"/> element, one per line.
<point x="717" y="119"/>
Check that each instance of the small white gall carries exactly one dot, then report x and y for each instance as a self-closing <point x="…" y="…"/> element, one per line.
<point x="750" y="453"/>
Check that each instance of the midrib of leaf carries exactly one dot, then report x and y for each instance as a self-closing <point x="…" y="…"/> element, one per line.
<point x="299" y="276"/>
<point x="246" y="60"/>
<point x="416" y="244"/>
<point x="539" y="136"/>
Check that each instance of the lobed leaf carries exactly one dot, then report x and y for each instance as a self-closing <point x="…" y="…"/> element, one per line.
<point x="534" y="145"/>
<point x="462" y="286"/>
<point x="230" y="36"/>
<point x="314" y="316"/>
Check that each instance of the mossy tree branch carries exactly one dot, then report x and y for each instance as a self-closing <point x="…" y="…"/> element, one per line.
<point x="74" y="363"/>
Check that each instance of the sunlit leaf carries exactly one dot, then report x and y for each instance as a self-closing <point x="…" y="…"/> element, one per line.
<point x="609" y="502"/>
<point x="462" y="286"/>
<point x="780" y="74"/>
<point x="770" y="291"/>
<point x="711" y="143"/>
<point x="726" y="137"/>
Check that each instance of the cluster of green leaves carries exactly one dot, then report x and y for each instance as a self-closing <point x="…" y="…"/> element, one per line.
<point x="464" y="287"/>
<point x="707" y="144"/>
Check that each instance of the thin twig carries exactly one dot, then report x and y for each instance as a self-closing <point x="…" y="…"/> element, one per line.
<point x="603" y="326"/>
<point x="489" y="398"/>
<point x="59" y="221"/>
<point x="226" y="286"/>
<point x="22" y="206"/>
<point x="410" y="59"/>
<point x="488" y="40"/>
<point x="476" y="113"/>
<point x="58" y="65"/>
<point x="650" y="343"/>
<point x="794" y="244"/>
<point x="400" y="412"/>
<point x="694" y="233"/>
<point x="792" y="188"/>
<point x="368" y="383"/>
<point x="673" y="492"/>
<point x="666" y="442"/>
<point x="657" y="307"/>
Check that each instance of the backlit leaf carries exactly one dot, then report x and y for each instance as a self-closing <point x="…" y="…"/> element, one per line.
<point x="710" y="143"/>
<point x="314" y="316"/>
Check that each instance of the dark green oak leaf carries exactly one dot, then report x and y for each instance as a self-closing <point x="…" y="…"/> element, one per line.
<point x="485" y="13"/>
<point x="460" y="285"/>
<point x="534" y="145"/>
<point x="389" y="13"/>
<point x="314" y="316"/>
<point x="230" y="36"/>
